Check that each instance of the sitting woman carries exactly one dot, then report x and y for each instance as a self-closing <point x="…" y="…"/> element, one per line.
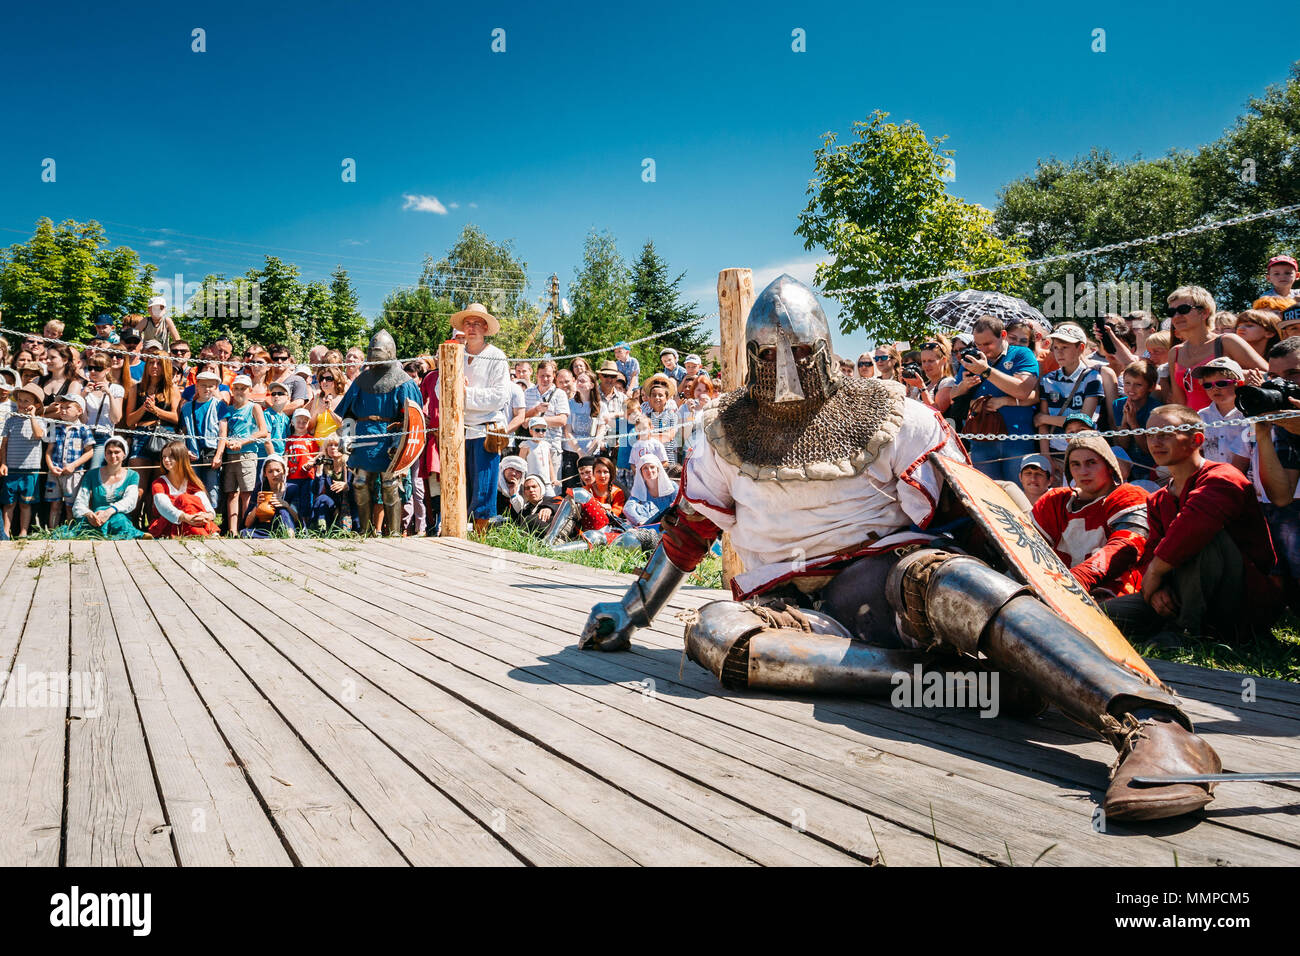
<point x="181" y="503"/>
<point x="652" y="493"/>
<point x="332" y="505"/>
<point x="269" y="506"/>
<point x="108" y="495"/>
<point x="609" y="495"/>
<point x="510" y="480"/>
<point x="536" y="509"/>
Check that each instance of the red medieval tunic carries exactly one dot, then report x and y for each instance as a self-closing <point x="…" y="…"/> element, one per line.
<point x="1101" y="540"/>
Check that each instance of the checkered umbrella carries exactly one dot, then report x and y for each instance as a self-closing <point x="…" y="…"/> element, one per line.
<point x="959" y="310"/>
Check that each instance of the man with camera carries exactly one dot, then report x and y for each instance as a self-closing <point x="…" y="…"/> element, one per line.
<point x="1208" y="566"/>
<point x="1006" y="376"/>
<point x="1274" y="450"/>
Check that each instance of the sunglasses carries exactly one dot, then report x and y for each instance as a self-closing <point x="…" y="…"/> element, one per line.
<point x="327" y="378"/>
<point x="932" y="346"/>
<point x="1183" y="309"/>
<point x="279" y="358"/>
<point x="177" y="353"/>
<point x="880" y="359"/>
<point x="1221" y="383"/>
<point x="864" y="365"/>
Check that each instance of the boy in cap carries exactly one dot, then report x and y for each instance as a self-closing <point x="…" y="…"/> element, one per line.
<point x="1035" y="476"/>
<point x="241" y="426"/>
<point x="200" y="420"/>
<point x="106" y="328"/>
<point x="628" y="365"/>
<point x="1224" y="443"/>
<point x="1290" y="324"/>
<point x="1074" y="387"/>
<point x="20" y="458"/>
<point x="1281" y="273"/>
<point x="668" y="359"/>
<point x="69" y="446"/>
<point x="278" y="424"/>
<point x="692" y="365"/>
<point x="1098" y="527"/>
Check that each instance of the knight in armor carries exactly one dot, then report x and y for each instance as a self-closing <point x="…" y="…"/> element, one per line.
<point x="827" y="485"/>
<point x="374" y="403"/>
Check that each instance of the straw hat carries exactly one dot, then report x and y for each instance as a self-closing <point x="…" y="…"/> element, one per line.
<point x="480" y="310"/>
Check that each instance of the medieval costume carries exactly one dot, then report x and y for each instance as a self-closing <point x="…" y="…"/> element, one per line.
<point x="374" y="402"/>
<point x="121" y="496"/>
<point x="829" y="486"/>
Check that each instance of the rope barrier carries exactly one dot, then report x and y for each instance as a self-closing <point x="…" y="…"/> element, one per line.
<point x="232" y="363"/>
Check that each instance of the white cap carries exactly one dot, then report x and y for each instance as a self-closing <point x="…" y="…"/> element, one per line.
<point x="537" y="421"/>
<point x="208" y="376"/>
<point x="154" y="344"/>
<point x="242" y="380"/>
<point x="303" y="370"/>
<point x="158" y="300"/>
<point x="1069" y="332"/>
<point x="74" y="399"/>
<point x="692" y="358"/>
<point x="301" y="413"/>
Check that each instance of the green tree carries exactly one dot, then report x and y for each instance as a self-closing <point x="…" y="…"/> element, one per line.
<point x="599" y="297"/>
<point x="880" y="209"/>
<point x="342" y="324"/>
<point x="476" y="269"/>
<point x="417" y="318"/>
<point x="68" y="272"/>
<point x="283" y="319"/>
<point x="657" y="300"/>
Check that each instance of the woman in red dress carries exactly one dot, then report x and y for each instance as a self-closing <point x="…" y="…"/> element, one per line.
<point x="179" y="499"/>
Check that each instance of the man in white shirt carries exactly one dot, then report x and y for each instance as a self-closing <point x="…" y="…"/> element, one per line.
<point x="545" y="399"/>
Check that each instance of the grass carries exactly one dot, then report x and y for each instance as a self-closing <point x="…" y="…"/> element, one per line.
<point x="511" y="538"/>
<point x="1277" y="657"/>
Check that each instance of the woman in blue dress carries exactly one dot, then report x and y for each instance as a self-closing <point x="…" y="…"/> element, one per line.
<point x="107" y="496"/>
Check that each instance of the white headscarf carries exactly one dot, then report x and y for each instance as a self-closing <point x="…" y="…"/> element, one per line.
<point x="663" y="485"/>
<point x="510" y="461"/>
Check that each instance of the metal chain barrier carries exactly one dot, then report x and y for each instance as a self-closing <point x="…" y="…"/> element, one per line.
<point x="1133" y="432"/>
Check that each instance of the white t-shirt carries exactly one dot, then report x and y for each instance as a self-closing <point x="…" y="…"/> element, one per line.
<point x="1223" y="442"/>
<point x="557" y="403"/>
<point x="97" y="415"/>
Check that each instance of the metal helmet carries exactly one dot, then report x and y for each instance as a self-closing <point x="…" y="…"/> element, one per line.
<point x="785" y="316"/>
<point x="382" y="347"/>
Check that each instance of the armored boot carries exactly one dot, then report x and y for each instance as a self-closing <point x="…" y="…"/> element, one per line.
<point x="781" y="647"/>
<point x="365" y="500"/>
<point x="958" y="602"/>
<point x="391" y="490"/>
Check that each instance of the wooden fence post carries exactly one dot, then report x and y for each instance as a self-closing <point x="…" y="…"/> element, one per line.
<point x="451" y="437"/>
<point x="735" y="299"/>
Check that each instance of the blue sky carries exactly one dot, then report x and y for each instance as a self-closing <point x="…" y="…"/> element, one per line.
<point x="240" y="148"/>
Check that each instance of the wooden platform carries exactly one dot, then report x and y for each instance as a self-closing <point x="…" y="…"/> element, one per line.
<point x="422" y="702"/>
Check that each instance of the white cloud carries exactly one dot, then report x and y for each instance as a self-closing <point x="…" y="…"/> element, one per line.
<point x="424" y="204"/>
<point x="453" y="205"/>
<point x="354" y="242"/>
<point x="473" y="205"/>
<point x="157" y="242"/>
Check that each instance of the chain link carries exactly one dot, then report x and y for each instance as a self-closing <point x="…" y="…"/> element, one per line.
<point x="1063" y="257"/>
<point x="1133" y="432"/>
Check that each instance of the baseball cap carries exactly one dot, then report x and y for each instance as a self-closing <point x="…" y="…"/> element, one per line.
<point x="1069" y="332"/>
<point x="7" y="380"/>
<point x="208" y="376"/>
<point x="278" y="387"/>
<point x="620" y="345"/>
<point x="157" y="300"/>
<point x="105" y="318"/>
<point x="666" y="349"/>
<point x="130" y="335"/>
<point x="242" y="380"/>
<point x="963" y="338"/>
<point x="1036" y="461"/>
<point x="1081" y="418"/>
<point x="1282" y="261"/>
<point x="692" y="358"/>
<point x="537" y="421"/>
<point x="1291" y="315"/>
<point x="301" y="413"/>
<point x="1220" y="364"/>
<point x="154" y="344"/>
<point x="74" y="399"/>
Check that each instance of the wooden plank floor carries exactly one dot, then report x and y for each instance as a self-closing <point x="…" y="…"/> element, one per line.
<point x="421" y="702"/>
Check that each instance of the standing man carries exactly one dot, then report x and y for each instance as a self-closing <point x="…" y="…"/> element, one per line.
<point x="548" y="401"/>
<point x="1008" y="376"/>
<point x="374" y="401"/>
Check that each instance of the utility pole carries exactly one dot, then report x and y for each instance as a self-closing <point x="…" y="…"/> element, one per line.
<point x="557" y="340"/>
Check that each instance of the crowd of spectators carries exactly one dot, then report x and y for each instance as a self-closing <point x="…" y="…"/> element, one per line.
<point x="1195" y="531"/>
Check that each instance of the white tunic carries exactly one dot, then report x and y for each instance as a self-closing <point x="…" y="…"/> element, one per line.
<point x="782" y="529"/>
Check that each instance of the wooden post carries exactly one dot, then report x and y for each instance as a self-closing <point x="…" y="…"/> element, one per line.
<point x="451" y="437"/>
<point x="735" y="299"/>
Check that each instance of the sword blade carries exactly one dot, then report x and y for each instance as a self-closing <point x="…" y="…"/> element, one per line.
<point x="1219" y="778"/>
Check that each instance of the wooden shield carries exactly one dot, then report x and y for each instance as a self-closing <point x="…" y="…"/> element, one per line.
<point x="1031" y="560"/>
<point x="412" y="442"/>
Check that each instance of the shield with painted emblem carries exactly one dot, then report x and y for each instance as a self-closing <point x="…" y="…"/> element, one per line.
<point x="1031" y="560"/>
<point x="412" y="442"/>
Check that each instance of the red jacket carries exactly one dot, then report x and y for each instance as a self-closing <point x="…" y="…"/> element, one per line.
<point x="1216" y="498"/>
<point x="1102" y="541"/>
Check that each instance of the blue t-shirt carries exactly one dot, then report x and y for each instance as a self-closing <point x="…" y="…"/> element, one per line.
<point x="239" y="424"/>
<point x="1140" y="457"/>
<point x="277" y="423"/>
<point x="137" y="370"/>
<point x="1016" y="359"/>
